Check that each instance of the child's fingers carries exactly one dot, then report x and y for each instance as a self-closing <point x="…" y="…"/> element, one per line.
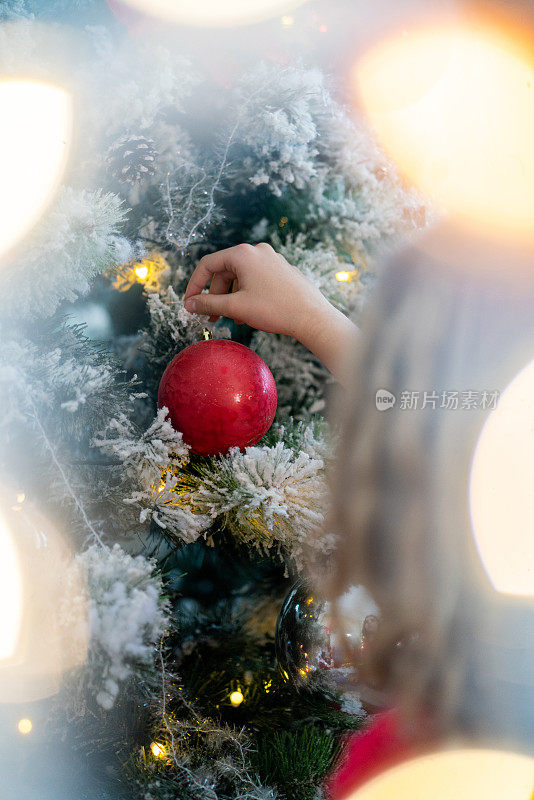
<point x="220" y="284"/>
<point x="223" y="262"/>
<point x="234" y="289"/>
<point x="216" y="305"/>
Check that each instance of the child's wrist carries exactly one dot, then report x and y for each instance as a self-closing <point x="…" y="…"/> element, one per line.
<point x="312" y="322"/>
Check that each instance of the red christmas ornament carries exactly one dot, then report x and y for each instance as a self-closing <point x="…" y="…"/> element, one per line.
<point x="219" y="394"/>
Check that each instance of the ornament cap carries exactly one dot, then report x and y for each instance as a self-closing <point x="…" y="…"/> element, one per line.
<point x="206" y="334"/>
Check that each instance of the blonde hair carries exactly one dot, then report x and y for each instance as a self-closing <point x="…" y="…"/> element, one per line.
<point x="400" y="483"/>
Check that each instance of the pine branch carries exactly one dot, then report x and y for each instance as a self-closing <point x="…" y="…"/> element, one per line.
<point x="94" y="535"/>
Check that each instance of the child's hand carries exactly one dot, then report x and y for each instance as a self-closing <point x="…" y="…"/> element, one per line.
<point x="267" y="293"/>
<point x="271" y="295"/>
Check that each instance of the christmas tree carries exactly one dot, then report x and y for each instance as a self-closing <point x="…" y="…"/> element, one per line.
<point x="164" y="612"/>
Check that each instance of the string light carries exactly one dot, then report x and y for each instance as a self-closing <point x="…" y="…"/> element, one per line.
<point x="141" y="270"/>
<point x="158" y="750"/>
<point x="148" y="271"/>
<point x="21" y="497"/>
<point x="25" y="726"/>
<point x="236" y="698"/>
<point x="344" y="276"/>
<point x="287" y="21"/>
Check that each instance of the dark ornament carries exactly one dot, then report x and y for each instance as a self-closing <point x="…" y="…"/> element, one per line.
<point x="308" y="641"/>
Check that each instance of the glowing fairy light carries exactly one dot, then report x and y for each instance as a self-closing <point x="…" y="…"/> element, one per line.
<point x="287" y="21"/>
<point x="25" y="726"/>
<point x="344" y="276"/>
<point x="149" y="272"/>
<point x="236" y="698"/>
<point x="500" y="490"/>
<point x="214" y="13"/>
<point x="158" y="750"/>
<point x="10" y="593"/>
<point x="141" y="271"/>
<point x="34" y="141"/>
<point x="21" y="497"/>
<point x="486" y="774"/>
<point x="454" y="108"/>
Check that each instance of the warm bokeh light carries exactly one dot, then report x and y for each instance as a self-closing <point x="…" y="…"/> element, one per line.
<point x="141" y="271"/>
<point x="25" y="726"/>
<point x="455" y="775"/>
<point x="344" y="276"/>
<point x="214" y="13"/>
<point x="149" y="272"/>
<point x="44" y="614"/>
<point x="10" y="593"/>
<point x="454" y="106"/>
<point x="236" y="698"/>
<point x="158" y="750"/>
<point x="502" y="489"/>
<point x="34" y="141"/>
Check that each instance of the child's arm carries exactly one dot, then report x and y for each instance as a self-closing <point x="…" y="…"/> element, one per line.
<point x="271" y="295"/>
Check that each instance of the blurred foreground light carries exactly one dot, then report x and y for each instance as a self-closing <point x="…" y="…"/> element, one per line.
<point x="34" y="142"/>
<point x="502" y="489"/>
<point x="455" y="775"/>
<point x="10" y="593"/>
<point x="25" y="726"/>
<point x="454" y="106"/>
<point x="44" y="612"/>
<point x="214" y="13"/>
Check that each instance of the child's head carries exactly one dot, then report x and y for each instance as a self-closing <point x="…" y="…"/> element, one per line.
<point x="401" y="484"/>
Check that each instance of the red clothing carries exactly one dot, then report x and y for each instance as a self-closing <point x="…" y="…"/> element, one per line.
<point x="383" y="744"/>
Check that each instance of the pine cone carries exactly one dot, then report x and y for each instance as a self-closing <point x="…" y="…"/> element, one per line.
<point x="131" y="158"/>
